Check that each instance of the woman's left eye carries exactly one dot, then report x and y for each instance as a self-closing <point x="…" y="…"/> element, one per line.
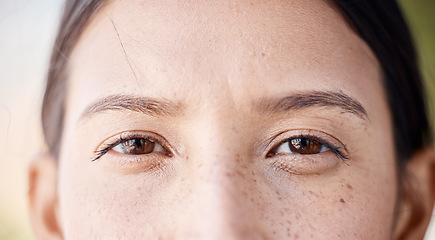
<point x="300" y="145"/>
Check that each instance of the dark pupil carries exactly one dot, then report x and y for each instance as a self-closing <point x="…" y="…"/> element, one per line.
<point x="305" y="146"/>
<point x="138" y="146"/>
<point x="138" y="142"/>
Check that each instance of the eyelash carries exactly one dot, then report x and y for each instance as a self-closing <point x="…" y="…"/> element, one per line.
<point x="100" y="153"/>
<point x="334" y="149"/>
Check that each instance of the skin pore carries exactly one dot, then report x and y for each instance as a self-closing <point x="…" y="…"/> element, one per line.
<point x="221" y="95"/>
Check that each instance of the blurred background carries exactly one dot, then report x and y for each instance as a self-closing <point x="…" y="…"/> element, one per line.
<point x="27" y="31"/>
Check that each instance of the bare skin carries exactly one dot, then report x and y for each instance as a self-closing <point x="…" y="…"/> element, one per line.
<point x="212" y="91"/>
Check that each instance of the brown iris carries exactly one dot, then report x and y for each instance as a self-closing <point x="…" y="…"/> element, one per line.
<point x="137" y="146"/>
<point x="305" y="145"/>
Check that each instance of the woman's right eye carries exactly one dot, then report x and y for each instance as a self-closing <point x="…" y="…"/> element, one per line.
<point x="138" y="146"/>
<point x="134" y="145"/>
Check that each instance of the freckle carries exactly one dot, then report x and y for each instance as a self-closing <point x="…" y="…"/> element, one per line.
<point x="342" y="200"/>
<point x="277" y="192"/>
<point x="311" y="226"/>
<point x="349" y="186"/>
<point x="314" y="194"/>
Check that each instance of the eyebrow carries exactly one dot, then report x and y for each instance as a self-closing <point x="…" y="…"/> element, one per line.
<point x="310" y="99"/>
<point x="162" y="107"/>
<point x="146" y="105"/>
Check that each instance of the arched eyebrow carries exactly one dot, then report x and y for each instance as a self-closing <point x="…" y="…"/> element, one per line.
<point x="311" y="99"/>
<point x="146" y="105"/>
<point x="293" y="102"/>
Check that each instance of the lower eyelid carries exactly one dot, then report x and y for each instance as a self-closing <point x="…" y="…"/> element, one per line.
<point x="304" y="164"/>
<point x="133" y="164"/>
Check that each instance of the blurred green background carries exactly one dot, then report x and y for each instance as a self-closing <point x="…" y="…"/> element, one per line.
<point x="421" y="18"/>
<point x="28" y="29"/>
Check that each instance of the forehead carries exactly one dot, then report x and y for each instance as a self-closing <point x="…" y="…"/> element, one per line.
<point x="240" y="49"/>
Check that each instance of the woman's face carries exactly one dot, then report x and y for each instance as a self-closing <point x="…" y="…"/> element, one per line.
<point x="225" y="120"/>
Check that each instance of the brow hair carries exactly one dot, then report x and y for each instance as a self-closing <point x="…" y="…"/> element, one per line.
<point x="310" y="99"/>
<point x="149" y="106"/>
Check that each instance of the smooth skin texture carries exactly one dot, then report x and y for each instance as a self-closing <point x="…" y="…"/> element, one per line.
<point x="213" y="83"/>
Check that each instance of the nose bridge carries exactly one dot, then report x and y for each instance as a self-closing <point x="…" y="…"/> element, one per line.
<point x="218" y="207"/>
<point x="217" y="182"/>
<point x="223" y="165"/>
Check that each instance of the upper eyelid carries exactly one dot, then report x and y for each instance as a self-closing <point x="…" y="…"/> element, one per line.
<point x="131" y="134"/>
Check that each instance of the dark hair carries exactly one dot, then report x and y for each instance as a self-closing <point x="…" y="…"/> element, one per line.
<point x="379" y="23"/>
<point x="76" y="15"/>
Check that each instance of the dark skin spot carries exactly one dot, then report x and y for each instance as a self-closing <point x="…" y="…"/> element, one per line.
<point x="349" y="186"/>
<point x="342" y="200"/>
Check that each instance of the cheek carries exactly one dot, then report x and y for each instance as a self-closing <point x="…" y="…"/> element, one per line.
<point x="356" y="203"/>
<point x="95" y="205"/>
